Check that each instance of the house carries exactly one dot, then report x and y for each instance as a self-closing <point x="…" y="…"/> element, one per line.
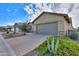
<point x="17" y="25"/>
<point x="52" y="24"/>
<point x="9" y="28"/>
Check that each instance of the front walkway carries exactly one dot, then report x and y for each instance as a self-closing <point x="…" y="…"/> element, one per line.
<point x="24" y="44"/>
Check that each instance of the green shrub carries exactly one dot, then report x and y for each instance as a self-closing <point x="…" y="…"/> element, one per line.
<point x="42" y="49"/>
<point x="66" y="47"/>
<point x="72" y="35"/>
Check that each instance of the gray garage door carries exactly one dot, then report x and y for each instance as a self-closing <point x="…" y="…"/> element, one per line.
<point x="49" y="28"/>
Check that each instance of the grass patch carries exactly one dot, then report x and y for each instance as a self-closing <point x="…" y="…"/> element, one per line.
<point x="68" y="47"/>
<point x="42" y="49"/>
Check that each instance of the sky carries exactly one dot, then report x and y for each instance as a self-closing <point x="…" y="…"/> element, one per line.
<point x="11" y="13"/>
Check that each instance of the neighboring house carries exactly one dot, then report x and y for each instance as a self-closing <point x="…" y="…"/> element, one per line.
<point x="9" y="28"/>
<point x="52" y="24"/>
<point x="16" y="26"/>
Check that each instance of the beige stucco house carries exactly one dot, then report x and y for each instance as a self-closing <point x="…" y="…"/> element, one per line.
<point x="52" y="24"/>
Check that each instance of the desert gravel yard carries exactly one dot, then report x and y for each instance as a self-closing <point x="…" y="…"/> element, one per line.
<point x="24" y="44"/>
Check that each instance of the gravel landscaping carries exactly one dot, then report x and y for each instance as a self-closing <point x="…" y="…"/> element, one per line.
<point x="11" y="35"/>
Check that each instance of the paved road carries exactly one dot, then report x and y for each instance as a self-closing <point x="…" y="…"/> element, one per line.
<point x="5" y="49"/>
<point x="24" y="44"/>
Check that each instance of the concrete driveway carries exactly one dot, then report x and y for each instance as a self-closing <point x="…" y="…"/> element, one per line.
<point x="2" y="32"/>
<point x="5" y="49"/>
<point x="24" y="44"/>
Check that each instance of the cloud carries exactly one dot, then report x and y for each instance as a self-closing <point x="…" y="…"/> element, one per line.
<point x="34" y="16"/>
<point x="29" y="9"/>
<point x="44" y="6"/>
<point x="48" y="7"/>
<point x="10" y="23"/>
<point x="61" y="7"/>
<point x="75" y="10"/>
<point x="39" y="8"/>
<point x="8" y="10"/>
<point x="15" y="11"/>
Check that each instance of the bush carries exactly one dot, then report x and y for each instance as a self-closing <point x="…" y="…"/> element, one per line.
<point x="72" y="35"/>
<point x="42" y="49"/>
<point x="66" y="47"/>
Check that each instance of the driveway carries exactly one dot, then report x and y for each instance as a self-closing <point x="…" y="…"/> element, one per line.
<point x="24" y="44"/>
<point x="5" y="49"/>
<point x="2" y="32"/>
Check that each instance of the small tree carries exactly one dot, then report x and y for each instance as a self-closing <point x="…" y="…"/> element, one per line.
<point x="23" y="28"/>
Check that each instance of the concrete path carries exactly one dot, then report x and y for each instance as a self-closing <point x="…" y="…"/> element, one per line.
<point x="24" y="44"/>
<point x="5" y="49"/>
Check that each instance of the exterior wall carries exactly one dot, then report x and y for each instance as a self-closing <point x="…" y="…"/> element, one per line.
<point x="34" y="28"/>
<point x="70" y="26"/>
<point x="61" y="28"/>
<point x="66" y="27"/>
<point x="47" y="18"/>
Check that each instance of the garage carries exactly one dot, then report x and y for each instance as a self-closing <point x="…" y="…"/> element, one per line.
<point x="47" y="28"/>
<point x="52" y="23"/>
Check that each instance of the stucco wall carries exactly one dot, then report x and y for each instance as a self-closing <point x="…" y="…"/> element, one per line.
<point x="45" y="18"/>
<point x="70" y="27"/>
<point x="34" y="27"/>
<point x="66" y="26"/>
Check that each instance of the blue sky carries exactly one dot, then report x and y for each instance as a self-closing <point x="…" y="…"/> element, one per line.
<point x="11" y="13"/>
